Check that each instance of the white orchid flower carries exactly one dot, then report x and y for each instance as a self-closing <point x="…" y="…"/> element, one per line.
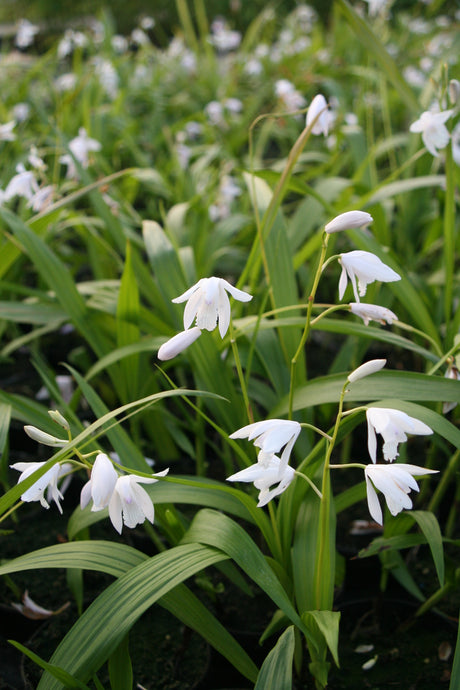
<point x="178" y="343"/>
<point x="130" y="503"/>
<point x="372" y="312"/>
<point x="348" y="220"/>
<point x="318" y="109"/>
<point x="367" y="369"/>
<point x="22" y="184"/>
<point x="363" y="268"/>
<point x="36" y="492"/>
<point x="263" y="476"/>
<point x="395" y="482"/>
<point x="80" y="146"/>
<point x="270" y="436"/>
<point x="208" y="301"/>
<point x="434" y="132"/>
<point x="101" y="485"/>
<point x="393" y="426"/>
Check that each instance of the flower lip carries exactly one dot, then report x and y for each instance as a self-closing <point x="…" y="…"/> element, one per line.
<point x="264" y="476"/>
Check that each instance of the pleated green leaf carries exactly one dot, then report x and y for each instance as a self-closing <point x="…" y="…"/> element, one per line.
<point x="276" y="671"/>
<point x="67" y="680"/>
<point x="429" y="525"/>
<point x="109" y="618"/>
<point x="128" y="331"/>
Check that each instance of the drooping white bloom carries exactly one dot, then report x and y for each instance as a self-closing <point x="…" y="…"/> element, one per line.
<point x="376" y="6"/>
<point x="130" y="503"/>
<point x="434" y="132"/>
<point x="26" y="33"/>
<point x="270" y="436"/>
<point x="22" y="184"/>
<point x="43" y="437"/>
<point x="393" y="425"/>
<point x="395" y="482"/>
<point x="6" y="131"/>
<point x="101" y="485"/>
<point x="319" y="111"/>
<point x="350" y="219"/>
<point x="36" y="492"/>
<point x="372" y="312"/>
<point x="80" y="147"/>
<point x="208" y="301"/>
<point x="30" y="609"/>
<point x="290" y="97"/>
<point x="42" y="198"/>
<point x="178" y="343"/>
<point x="264" y="476"/>
<point x="367" y="369"/>
<point x="363" y="268"/>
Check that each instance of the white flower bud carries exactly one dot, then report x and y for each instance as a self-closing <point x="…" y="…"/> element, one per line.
<point x="350" y="219"/>
<point x="366" y="369"/>
<point x="45" y="438"/>
<point x="178" y="343"/>
<point x="454" y="91"/>
<point x="57" y="417"/>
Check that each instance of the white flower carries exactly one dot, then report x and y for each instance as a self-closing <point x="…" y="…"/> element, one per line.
<point x="367" y="369"/>
<point x="350" y="219"/>
<point x="376" y="6"/>
<point x="208" y="301"/>
<point x="101" y="485"/>
<point x="395" y="482"/>
<point x="456" y="143"/>
<point x="451" y="373"/>
<point x="26" y="33"/>
<point x="264" y="476"/>
<point x="21" y="111"/>
<point x="22" y="184"/>
<point x="363" y="268"/>
<point x="36" y="492"/>
<point x="319" y="111"/>
<point x="42" y="198"/>
<point x="178" y="343"/>
<point x="270" y="436"/>
<point x="434" y="132"/>
<point x="130" y="503"/>
<point x="372" y="312"/>
<point x="392" y="425"/>
<point x="80" y="147"/>
<point x="287" y="93"/>
<point x="6" y="131"/>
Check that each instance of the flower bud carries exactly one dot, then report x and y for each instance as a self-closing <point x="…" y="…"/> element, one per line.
<point x="178" y="343"/>
<point x="366" y="369"/>
<point x="43" y="437"/>
<point x="57" y="417"/>
<point x="454" y="91"/>
<point x="350" y="219"/>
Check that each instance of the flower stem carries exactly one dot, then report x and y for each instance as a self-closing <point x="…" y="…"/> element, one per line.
<point x="309" y="481"/>
<point x="306" y="330"/>
<point x="241" y="377"/>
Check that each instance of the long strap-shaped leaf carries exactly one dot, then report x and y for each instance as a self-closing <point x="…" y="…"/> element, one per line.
<point x="117" y="559"/>
<point x="276" y="671"/>
<point x="218" y="530"/>
<point x="104" y="624"/>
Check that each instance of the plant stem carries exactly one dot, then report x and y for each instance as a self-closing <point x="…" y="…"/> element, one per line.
<point x="241" y="377"/>
<point x="309" y="481"/>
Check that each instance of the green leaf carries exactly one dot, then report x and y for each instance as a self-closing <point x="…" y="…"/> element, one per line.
<point x="120" y="667"/>
<point x="429" y="525"/>
<point x="128" y="331"/>
<point x="67" y="680"/>
<point x="109" y="618"/>
<point x="327" y="623"/>
<point x="276" y="671"/>
<point x="455" y="674"/>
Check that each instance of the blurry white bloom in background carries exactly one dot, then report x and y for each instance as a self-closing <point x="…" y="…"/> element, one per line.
<point x="193" y="129"/>
<point x="451" y="373"/>
<point x="35" y="160"/>
<point x="70" y="41"/>
<point x="270" y="436"/>
<point x="366" y="369"/>
<point x="130" y="503"/>
<point x="223" y="38"/>
<point x="233" y="105"/>
<point x="372" y="312"/>
<point x="228" y="191"/>
<point x="208" y="301"/>
<point x="139" y="37"/>
<point x="80" y="146"/>
<point x="107" y="75"/>
<point x="319" y="111"/>
<point x="147" y="23"/>
<point x="6" y="131"/>
<point x="26" y="33"/>
<point x="393" y="425"/>
<point x="395" y="482"/>
<point x="253" y="67"/>
<point x="42" y="199"/>
<point x="363" y="268"/>
<point x="376" y="6"/>
<point x="183" y="153"/>
<point x="101" y="484"/>
<point x="434" y="132"/>
<point x="66" y="82"/>
<point x="264" y="476"/>
<point x="348" y="220"/>
<point x="286" y="92"/>
<point x="119" y="43"/>
<point x="21" y="111"/>
<point x="22" y="184"/>
<point x="456" y="143"/>
<point x="36" y="492"/>
<point x="178" y="343"/>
